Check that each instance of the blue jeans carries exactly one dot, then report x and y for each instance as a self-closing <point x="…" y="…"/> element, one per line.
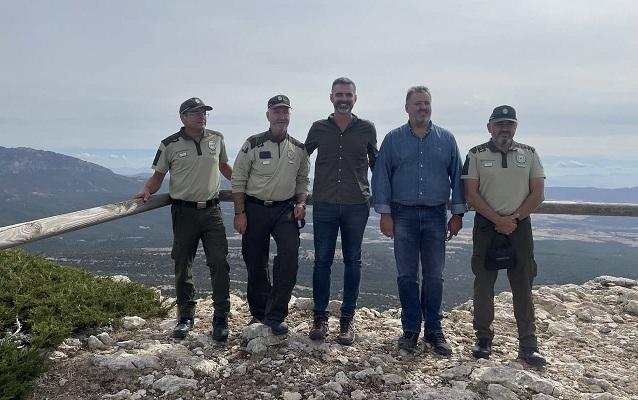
<point x="419" y="233"/>
<point x="328" y="219"/>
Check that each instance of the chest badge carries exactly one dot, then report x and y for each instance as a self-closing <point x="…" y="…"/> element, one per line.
<point x="212" y="145"/>
<point x="291" y="156"/>
<point x="520" y="158"/>
<point x="182" y="154"/>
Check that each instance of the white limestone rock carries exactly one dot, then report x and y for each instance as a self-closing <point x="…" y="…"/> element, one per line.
<point x="73" y="342"/>
<point x="292" y="396"/>
<point x="631" y="307"/>
<point x="170" y="384"/>
<point x="333" y="387"/>
<point x="134" y="322"/>
<point x="615" y="281"/>
<point x="392" y="379"/>
<point x="256" y="330"/>
<point x="303" y="304"/>
<point x="358" y="395"/>
<point x="122" y="360"/>
<point x="119" y="278"/>
<point x="127" y="344"/>
<point x="106" y="339"/>
<point x="500" y="392"/>
<point x="96" y="344"/>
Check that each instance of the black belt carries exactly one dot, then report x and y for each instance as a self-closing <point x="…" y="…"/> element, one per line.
<point x="195" y="204"/>
<point x="267" y="203"/>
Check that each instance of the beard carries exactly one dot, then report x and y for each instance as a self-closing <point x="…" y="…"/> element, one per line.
<point x="504" y="140"/>
<point x="343" y="107"/>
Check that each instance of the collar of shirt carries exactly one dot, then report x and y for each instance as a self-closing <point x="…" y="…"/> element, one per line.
<point x="514" y="147"/>
<point x="426" y="132"/>
<point x="185" y="135"/>
<point x="277" y="139"/>
<point x="331" y="119"/>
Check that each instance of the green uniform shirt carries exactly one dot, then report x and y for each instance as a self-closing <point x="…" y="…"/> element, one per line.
<point x="193" y="167"/>
<point x="503" y="177"/>
<point x="270" y="170"/>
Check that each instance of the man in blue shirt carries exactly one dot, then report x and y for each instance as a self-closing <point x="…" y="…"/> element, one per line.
<point x="418" y="164"/>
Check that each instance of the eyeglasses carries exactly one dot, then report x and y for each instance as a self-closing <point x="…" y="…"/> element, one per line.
<point x="197" y="113"/>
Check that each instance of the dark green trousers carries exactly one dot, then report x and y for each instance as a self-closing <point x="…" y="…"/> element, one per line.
<point x="521" y="278"/>
<point x="190" y="225"/>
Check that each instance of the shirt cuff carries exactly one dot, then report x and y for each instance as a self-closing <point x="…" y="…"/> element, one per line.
<point x="458" y="208"/>
<point x="382" y="208"/>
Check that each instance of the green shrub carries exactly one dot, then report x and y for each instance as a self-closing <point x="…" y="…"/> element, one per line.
<point x="51" y="303"/>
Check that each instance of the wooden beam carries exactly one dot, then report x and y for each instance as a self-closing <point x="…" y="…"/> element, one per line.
<point x="15" y="235"/>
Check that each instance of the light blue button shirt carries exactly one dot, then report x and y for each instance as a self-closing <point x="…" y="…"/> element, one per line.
<point x="416" y="171"/>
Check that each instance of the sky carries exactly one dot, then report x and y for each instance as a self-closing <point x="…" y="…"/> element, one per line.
<point x="103" y="80"/>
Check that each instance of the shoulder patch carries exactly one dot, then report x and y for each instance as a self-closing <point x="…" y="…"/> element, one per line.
<point x="296" y="142"/>
<point x="215" y="133"/>
<point x="173" y="138"/>
<point x="479" y="149"/>
<point x="257" y="140"/>
<point x="526" y="147"/>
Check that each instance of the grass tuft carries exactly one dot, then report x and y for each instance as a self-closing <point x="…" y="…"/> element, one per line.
<point x="51" y="303"/>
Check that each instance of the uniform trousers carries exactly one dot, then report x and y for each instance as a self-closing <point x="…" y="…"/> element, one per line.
<point x="268" y="301"/>
<point x="520" y="277"/>
<point x="190" y="225"/>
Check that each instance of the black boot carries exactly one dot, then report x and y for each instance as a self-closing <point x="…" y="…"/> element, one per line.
<point x="408" y="341"/>
<point x="277" y="327"/>
<point x="439" y="344"/>
<point x="532" y="356"/>
<point x="220" y="329"/>
<point x="184" y="325"/>
<point x="346" y="331"/>
<point x="319" y="329"/>
<point x="482" y="348"/>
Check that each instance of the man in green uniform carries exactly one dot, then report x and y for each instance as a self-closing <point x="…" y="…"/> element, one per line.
<point x="195" y="156"/>
<point x="504" y="182"/>
<point x="270" y="185"/>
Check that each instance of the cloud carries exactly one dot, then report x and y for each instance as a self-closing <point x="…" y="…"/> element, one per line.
<point x="571" y="164"/>
<point x="87" y="155"/>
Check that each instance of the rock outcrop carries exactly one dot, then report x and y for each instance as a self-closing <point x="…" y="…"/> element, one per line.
<point x="589" y="334"/>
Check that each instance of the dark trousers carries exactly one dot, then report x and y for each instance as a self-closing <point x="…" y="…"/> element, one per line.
<point x="269" y="301"/>
<point x="327" y="220"/>
<point x="190" y="225"/>
<point x="521" y="278"/>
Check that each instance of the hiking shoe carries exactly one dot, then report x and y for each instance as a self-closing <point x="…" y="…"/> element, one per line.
<point x="531" y="356"/>
<point x="278" y="327"/>
<point x="220" y="329"/>
<point x="482" y="348"/>
<point x="439" y="344"/>
<point x="254" y="320"/>
<point x="346" y="331"/>
<point x="319" y="329"/>
<point x="184" y="325"/>
<point x="408" y="341"/>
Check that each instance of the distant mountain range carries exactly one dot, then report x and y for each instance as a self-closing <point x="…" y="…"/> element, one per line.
<point x="36" y="184"/>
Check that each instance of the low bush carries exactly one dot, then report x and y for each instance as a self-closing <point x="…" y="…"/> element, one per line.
<point x="42" y="303"/>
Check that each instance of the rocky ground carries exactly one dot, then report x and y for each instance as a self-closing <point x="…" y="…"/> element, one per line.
<point x="589" y="334"/>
